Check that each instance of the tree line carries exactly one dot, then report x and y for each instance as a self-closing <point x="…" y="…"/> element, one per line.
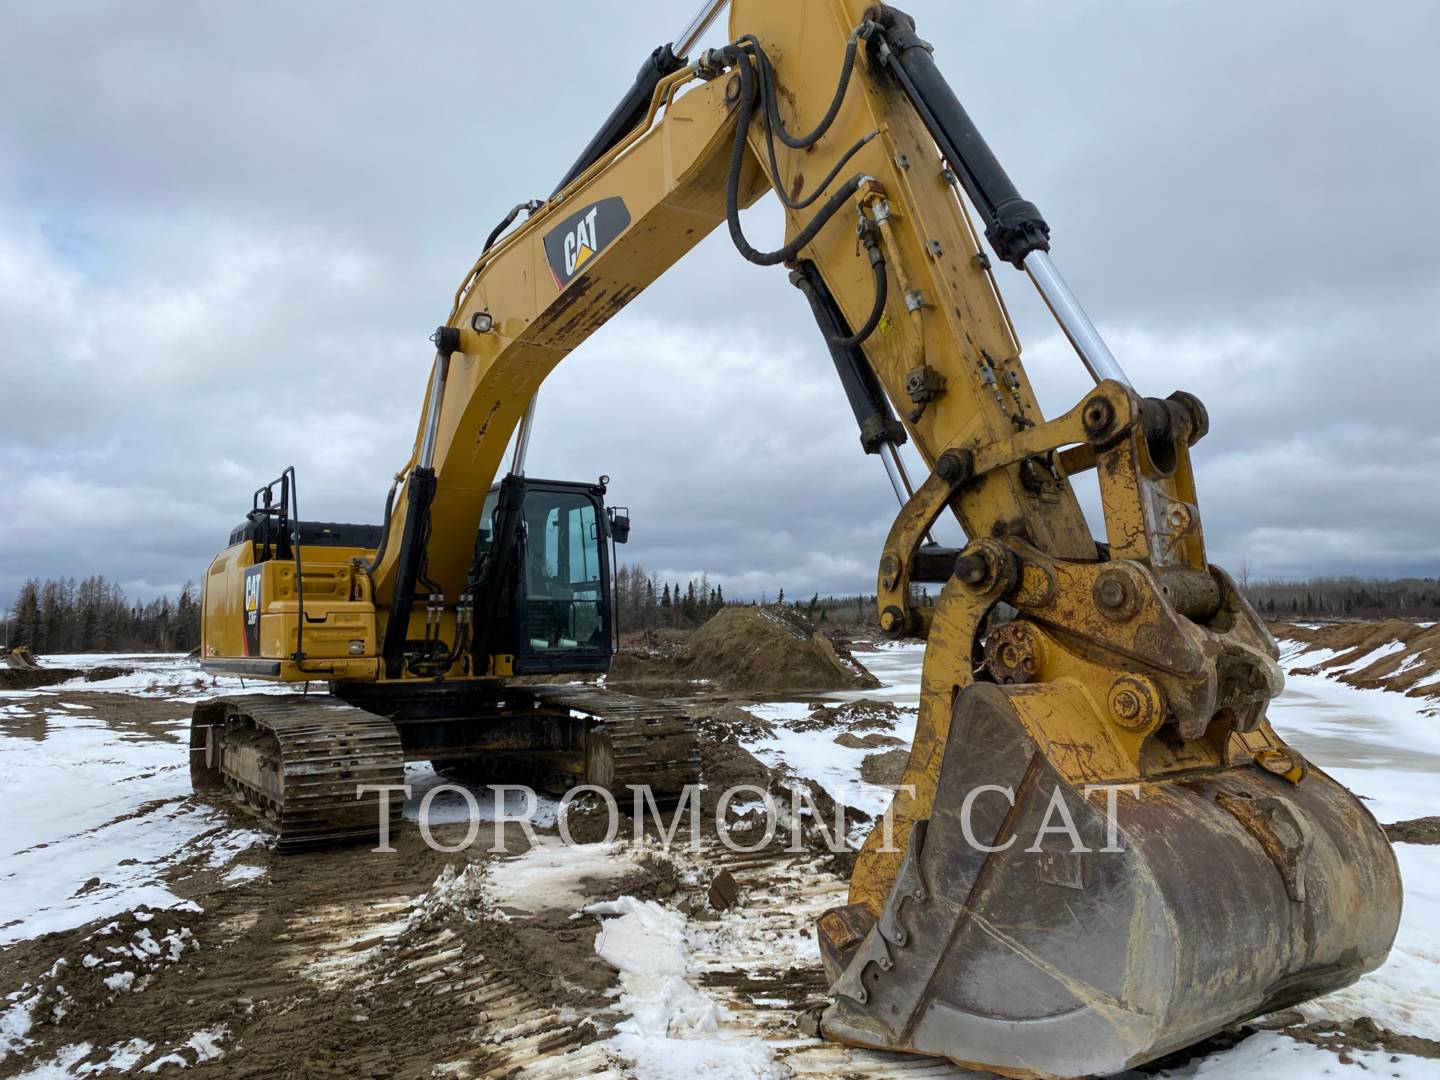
<point x="1342" y="597"/>
<point x="646" y="601"/>
<point x="643" y="601"/>
<point x="94" y="615"/>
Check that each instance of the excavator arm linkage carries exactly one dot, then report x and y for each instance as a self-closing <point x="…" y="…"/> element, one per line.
<point x="1102" y="851"/>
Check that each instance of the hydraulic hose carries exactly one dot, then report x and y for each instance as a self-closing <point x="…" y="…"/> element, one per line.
<point x="847" y="66"/>
<point x="741" y="59"/>
<point x="882" y="293"/>
<point x="374" y="564"/>
<point x="530" y="205"/>
<point x="773" y="123"/>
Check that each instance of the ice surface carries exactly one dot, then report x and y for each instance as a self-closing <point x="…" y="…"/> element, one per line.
<point x="550" y="876"/>
<point x="448" y="806"/>
<point x="672" y="1032"/>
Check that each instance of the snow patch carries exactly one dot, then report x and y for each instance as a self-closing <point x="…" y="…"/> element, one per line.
<point x="673" y="1028"/>
<point x="1272" y="1056"/>
<point x="78" y="796"/>
<point x="551" y="876"/>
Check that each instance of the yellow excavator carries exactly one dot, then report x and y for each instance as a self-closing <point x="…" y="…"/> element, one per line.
<point x="1221" y="875"/>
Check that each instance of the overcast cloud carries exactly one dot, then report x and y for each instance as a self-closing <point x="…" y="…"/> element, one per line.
<point x="226" y="232"/>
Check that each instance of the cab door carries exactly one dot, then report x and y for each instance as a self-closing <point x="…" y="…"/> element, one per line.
<point x="563" y="603"/>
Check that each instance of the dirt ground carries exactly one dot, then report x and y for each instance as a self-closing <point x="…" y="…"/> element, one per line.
<point x="34" y="678"/>
<point x="359" y="963"/>
<point x="353" y="962"/>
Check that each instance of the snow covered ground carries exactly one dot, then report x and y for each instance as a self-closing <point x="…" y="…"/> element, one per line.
<point x="94" y="814"/>
<point x="97" y="817"/>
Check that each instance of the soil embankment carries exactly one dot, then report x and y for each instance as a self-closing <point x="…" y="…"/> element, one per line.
<point x="750" y="648"/>
<point x="1388" y="655"/>
<point x="36" y="677"/>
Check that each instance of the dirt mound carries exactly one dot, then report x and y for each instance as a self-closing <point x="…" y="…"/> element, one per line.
<point x="746" y="648"/>
<point x="772" y="649"/>
<point x="37" y="677"/>
<point x="34" y="678"/>
<point x="758" y="649"/>
<point x="886" y="768"/>
<point x="1391" y="654"/>
<point x="862" y="715"/>
<point x="871" y="740"/>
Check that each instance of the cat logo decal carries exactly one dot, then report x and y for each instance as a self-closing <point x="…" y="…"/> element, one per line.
<point x="571" y="245"/>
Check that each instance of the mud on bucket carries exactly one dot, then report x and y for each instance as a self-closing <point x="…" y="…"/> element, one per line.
<point x="1211" y="897"/>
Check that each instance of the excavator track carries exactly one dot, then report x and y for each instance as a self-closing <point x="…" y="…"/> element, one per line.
<point x="297" y="763"/>
<point x="635" y="740"/>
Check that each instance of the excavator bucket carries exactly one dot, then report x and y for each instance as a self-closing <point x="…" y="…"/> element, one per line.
<point x="19" y="658"/>
<point x="1053" y="936"/>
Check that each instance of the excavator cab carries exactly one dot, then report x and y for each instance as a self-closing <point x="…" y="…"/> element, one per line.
<point x="542" y="558"/>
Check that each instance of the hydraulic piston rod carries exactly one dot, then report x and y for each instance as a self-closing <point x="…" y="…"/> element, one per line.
<point x="1094" y="353"/>
<point x="1013" y="225"/>
<point x="522" y="437"/>
<point x="697" y="26"/>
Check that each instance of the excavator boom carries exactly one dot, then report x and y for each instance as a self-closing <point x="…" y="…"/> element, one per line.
<point x="1104" y="851"/>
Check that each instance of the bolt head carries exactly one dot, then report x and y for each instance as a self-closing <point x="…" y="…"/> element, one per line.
<point x="972" y="569"/>
<point x="1127" y="704"/>
<point x="1110" y="592"/>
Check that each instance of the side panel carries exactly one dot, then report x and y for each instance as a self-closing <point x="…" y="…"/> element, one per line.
<point x="250" y="617"/>
<point x="222" y="605"/>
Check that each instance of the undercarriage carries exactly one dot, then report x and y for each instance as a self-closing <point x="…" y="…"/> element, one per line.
<point x="315" y="768"/>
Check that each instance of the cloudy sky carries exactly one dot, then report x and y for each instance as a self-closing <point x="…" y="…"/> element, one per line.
<point x="227" y="230"/>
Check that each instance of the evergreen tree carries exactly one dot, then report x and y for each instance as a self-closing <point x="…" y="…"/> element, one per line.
<point x="59" y="616"/>
<point x="28" y="626"/>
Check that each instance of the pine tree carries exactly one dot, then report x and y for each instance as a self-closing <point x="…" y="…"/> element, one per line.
<point x="28" y="627"/>
<point x="187" y="619"/>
